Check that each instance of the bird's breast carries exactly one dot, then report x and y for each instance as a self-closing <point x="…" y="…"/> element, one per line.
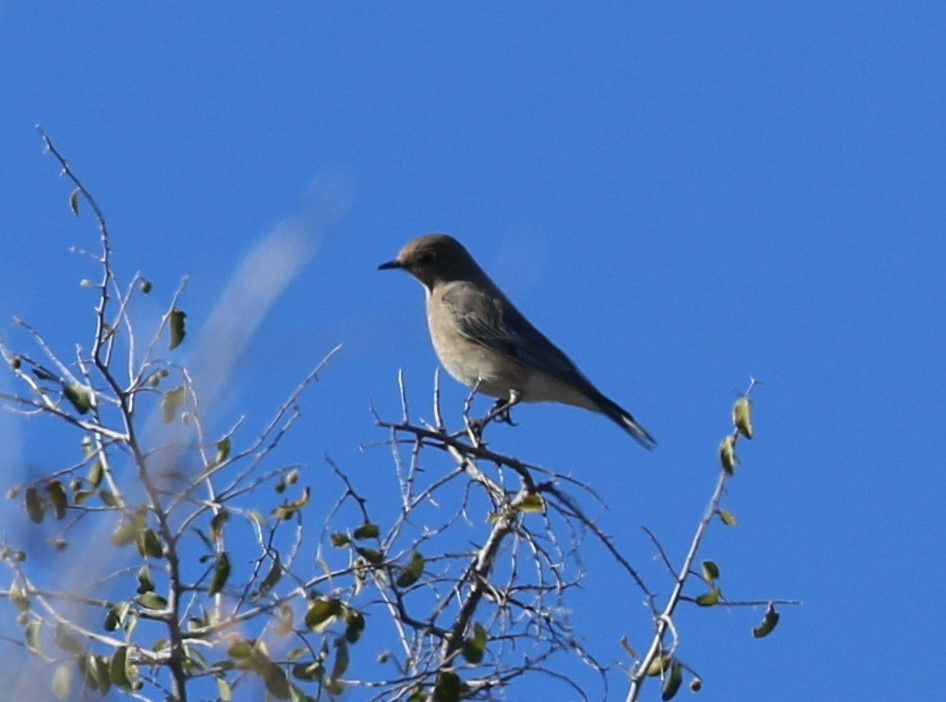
<point x="471" y="363"/>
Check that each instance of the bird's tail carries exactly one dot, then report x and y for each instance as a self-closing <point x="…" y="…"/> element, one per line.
<point x="626" y="421"/>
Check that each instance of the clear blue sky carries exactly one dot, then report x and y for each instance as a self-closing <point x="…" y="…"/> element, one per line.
<point x="679" y="194"/>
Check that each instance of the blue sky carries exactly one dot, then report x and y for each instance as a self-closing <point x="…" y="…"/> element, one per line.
<point x="680" y="195"/>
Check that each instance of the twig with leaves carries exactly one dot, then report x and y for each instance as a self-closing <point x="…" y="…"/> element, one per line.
<point x="181" y="593"/>
<point x="661" y="658"/>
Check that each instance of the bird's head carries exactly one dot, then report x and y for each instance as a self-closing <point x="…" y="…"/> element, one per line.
<point x="435" y="258"/>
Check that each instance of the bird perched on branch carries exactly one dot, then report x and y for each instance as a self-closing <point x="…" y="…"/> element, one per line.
<point x="487" y="344"/>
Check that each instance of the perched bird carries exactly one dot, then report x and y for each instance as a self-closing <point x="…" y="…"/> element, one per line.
<point x="487" y="344"/>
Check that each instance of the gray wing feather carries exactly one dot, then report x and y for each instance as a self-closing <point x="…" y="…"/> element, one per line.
<point x="487" y="318"/>
<point x="495" y="323"/>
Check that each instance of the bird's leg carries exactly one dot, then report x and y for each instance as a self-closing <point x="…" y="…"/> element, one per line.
<point x="500" y="411"/>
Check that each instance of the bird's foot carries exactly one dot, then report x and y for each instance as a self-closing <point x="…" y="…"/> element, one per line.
<point x="501" y="412"/>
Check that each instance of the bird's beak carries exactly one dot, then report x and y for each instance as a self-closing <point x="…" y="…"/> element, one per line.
<point x="390" y="264"/>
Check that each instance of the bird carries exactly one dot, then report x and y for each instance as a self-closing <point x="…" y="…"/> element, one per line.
<point x="487" y="344"/>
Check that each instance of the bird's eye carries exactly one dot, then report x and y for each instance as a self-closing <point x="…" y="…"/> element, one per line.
<point x="427" y="257"/>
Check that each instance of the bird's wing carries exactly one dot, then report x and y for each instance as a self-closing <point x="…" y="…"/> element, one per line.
<point x="492" y="321"/>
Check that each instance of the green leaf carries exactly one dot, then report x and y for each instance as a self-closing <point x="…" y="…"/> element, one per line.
<point x="322" y="613"/>
<point x="354" y="625"/>
<point x="118" y="668"/>
<point x="195" y="661"/>
<point x="62" y="681"/>
<point x="35" y="505"/>
<point x="768" y="623"/>
<point x="475" y="647"/>
<point x="32" y="635"/>
<point x="333" y="686"/>
<point x="95" y="474"/>
<point x="341" y="658"/>
<point x="101" y="674"/>
<point x="18" y="598"/>
<point x="288" y="509"/>
<point x="710" y="571"/>
<point x="284" y="623"/>
<point x="532" y="502"/>
<point x="116" y="615"/>
<point x="57" y="497"/>
<point x="152" y="600"/>
<point x="710" y="598"/>
<point x="221" y="574"/>
<point x="240" y="650"/>
<point x="125" y="534"/>
<point x="672" y="683"/>
<point x="727" y="454"/>
<point x="307" y="671"/>
<point x="66" y="641"/>
<point x="272" y="577"/>
<point x="224" y="446"/>
<point x="659" y="664"/>
<point x="729" y="519"/>
<point x="412" y="571"/>
<point x="216" y="525"/>
<point x="78" y="396"/>
<point x="277" y="684"/>
<point x="224" y="692"/>
<point x="145" y="582"/>
<point x="74" y="201"/>
<point x="340" y="540"/>
<point x="367" y="531"/>
<point x="742" y="416"/>
<point x="176" y="327"/>
<point x="447" y="687"/>
<point x="171" y="402"/>
<point x="373" y="556"/>
<point x="149" y="544"/>
<point x="297" y="652"/>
